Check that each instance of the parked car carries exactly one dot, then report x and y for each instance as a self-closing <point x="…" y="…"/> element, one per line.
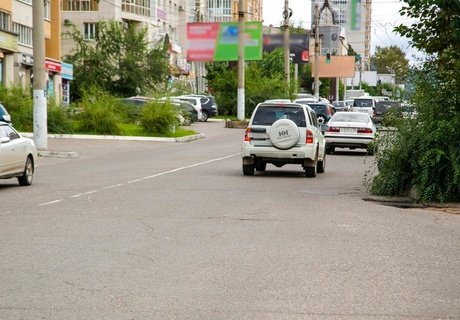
<point x="187" y="113"/>
<point x="383" y="107"/>
<point x="17" y="155"/>
<point x="4" y="115"/>
<point x="323" y="111"/>
<point x="208" y="106"/>
<point x="350" y="130"/>
<point x="283" y="133"/>
<point x="364" y="104"/>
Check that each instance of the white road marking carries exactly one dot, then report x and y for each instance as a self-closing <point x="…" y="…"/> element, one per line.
<point x="50" y="202"/>
<point x="3" y="213"/>
<point x="143" y="178"/>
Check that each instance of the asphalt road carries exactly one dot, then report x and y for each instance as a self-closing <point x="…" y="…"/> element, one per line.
<point x="164" y="230"/>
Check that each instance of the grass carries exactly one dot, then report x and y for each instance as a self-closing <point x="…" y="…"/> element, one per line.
<point x="138" y="131"/>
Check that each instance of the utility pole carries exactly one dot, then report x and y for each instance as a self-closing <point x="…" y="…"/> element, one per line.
<point x="286" y="15"/>
<point x="197" y="64"/>
<point x="240" y="94"/>
<point x="316" y="66"/>
<point x="39" y="85"/>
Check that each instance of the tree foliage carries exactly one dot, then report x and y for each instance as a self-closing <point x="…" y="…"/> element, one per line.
<point x="424" y="154"/>
<point x="388" y="59"/>
<point x="264" y="80"/>
<point x="119" y="60"/>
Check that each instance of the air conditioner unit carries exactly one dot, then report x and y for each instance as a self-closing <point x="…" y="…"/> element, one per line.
<point x="181" y="8"/>
<point x="67" y="22"/>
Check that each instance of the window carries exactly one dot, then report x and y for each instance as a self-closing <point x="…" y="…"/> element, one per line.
<point x="47" y="10"/>
<point x="26" y="1"/>
<point x="5" y="21"/>
<point x="79" y="5"/>
<point x="90" y="30"/>
<point x="139" y="7"/>
<point x="25" y="34"/>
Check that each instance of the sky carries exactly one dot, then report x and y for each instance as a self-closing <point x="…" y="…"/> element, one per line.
<point x="385" y="15"/>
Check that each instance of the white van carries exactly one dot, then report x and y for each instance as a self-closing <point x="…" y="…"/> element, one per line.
<point x="364" y="104"/>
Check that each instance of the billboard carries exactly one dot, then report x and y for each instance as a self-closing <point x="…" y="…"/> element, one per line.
<point x="298" y="45"/>
<point x="339" y="66"/>
<point x="218" y="41"/>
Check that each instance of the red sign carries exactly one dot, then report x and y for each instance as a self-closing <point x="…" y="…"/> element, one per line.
<point x="53" y="66"/>
<point x="202" y="38"/>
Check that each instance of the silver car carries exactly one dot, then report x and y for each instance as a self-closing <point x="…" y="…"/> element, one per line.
<point x="17" y="155"/>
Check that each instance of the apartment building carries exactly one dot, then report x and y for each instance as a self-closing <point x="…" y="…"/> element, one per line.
<point x="357" y="33"/>
<point x="16" y="47"/>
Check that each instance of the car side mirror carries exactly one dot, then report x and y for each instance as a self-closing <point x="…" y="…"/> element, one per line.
<point x="4" y="140"/>
<point x="6" y="118"/>
<point x="324" y="127"/>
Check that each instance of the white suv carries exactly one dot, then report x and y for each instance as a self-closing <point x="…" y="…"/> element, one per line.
<point x="283" y="133"/>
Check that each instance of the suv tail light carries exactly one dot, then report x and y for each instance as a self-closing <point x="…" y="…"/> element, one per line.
<point x="333" y="129"/>
<point x="364" y="130"/>
<point x="309" y="137"/>
<point x="247" y="138"/>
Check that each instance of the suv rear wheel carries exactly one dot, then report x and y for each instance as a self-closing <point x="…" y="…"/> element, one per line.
<point x="248" y="169"/>
<point x="205" y="116"/>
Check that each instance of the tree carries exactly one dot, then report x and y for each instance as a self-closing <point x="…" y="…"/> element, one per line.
<point x="424" y="154"/>
<point x="119" y="60"/>
<point x="390" y="60"/>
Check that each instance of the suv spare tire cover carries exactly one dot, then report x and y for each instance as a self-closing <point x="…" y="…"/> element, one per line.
<point x="284" y="134"/>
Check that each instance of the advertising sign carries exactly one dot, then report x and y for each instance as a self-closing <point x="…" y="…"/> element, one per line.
<point x="298" y="45"/>
<point x="214" y="41"/>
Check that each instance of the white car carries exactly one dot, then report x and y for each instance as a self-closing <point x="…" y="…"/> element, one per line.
<point x="196" y="101"/>
<point x="350" y="130"/>
<point x="283" y="133"/>
<point x="364" y="104"/>
<point x="17" y="155"/>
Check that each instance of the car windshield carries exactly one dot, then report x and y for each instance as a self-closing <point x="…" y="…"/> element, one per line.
<point x="318" y="108"/>
<point x="350" y="117"/>
<point x="267" y="115"/>
<point x="363" y="103"/>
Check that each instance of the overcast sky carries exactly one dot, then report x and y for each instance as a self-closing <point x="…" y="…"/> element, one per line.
<point x="385" y="15"/>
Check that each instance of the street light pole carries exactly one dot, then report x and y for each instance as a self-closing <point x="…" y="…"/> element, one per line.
<point x="240" y="93"/>
<point x="39" y="96"/>
<point x="286" y="42"/>
<point x="316" y="66"/>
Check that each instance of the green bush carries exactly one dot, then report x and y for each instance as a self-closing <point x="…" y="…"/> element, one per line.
<point x="159" y="117"/>
<point x="59" y="120"/>
<point x="19" y="104"/>
<point x="424" y="155"/>
<point x="98" y="113"/>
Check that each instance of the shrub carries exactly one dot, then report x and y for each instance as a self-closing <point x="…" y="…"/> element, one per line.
<point x="424" y="156"/>
<point x="19" y="104"/>
<point x="98" y="113"/>
<point x="158" y="117"/>
<point x="59" y="120"/>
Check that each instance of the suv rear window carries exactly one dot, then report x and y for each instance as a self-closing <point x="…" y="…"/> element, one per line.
<point x="363" y="103"/>
<point x="267" y="115"/>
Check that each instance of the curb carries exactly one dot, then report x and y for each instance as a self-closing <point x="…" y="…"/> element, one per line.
<point x="126" y="138"/>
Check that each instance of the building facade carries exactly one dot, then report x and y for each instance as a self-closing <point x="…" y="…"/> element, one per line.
<point x="16" y="49"/>
<point x="357" y="32"/>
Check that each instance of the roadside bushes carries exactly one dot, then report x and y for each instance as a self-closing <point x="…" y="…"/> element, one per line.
<point x="158" y="117"/>
<point x="19" y="105"/>
<point x="97" y="113"/>
<point x="423" y="158"/>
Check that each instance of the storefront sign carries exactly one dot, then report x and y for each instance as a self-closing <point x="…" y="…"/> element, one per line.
<point x="8" y="41"/>
<point x="67" y="71"/>
<point x="52" y="66"/>
<point x="27" y="59"/>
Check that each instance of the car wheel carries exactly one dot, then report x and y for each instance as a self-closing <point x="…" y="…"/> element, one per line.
<point x="248" y="169"/>
<point x="28" y="174"/>
<point x="187" y="121"/>
<point x="321" y="119"/>
<point x="321" y="166"/>
<point x="310" y="172"/>
<point x="205" y="116"/>
<point x="330" y="150"/>
<point x="261" y="166"/>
